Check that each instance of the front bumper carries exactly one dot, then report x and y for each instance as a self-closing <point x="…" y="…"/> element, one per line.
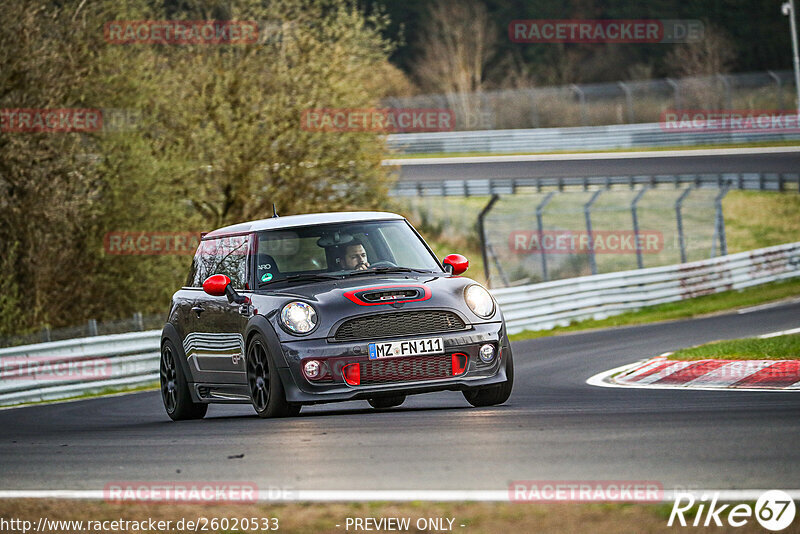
<point x="300" y="389"/>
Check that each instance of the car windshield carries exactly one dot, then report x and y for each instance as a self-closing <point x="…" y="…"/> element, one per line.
<point x="342" y="249"/>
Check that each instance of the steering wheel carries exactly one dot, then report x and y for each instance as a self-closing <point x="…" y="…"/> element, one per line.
<point x="379" y="264"/>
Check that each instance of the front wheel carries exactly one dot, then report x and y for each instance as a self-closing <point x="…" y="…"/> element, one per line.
<point x="266" y="389"/>
<point x="175" y="389"/>
<point x="492" y="395"/>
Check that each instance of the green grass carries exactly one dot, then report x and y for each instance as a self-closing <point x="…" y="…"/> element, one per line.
<point x="756" y="220"/>
<point x="752" y="348"/>
<point x="641" y="149"/>
<point x="684" y="309"/>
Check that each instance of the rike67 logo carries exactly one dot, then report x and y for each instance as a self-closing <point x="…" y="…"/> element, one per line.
<point x="774" y="510"/>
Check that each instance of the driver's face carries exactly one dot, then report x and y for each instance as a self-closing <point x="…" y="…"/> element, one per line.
<point x="355" y="257"/>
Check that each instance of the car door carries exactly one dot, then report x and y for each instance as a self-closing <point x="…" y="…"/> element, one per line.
<point x="215" y="348"/>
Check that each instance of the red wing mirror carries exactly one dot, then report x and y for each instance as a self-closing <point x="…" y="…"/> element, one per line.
<point x="216" y="285"/>
<point x="455" y="264"/>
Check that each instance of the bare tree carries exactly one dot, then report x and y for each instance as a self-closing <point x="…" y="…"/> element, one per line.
<point x="457" y="42"/>
<point x="700" y="63"/>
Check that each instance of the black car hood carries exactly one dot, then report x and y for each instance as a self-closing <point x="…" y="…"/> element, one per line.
<point x="339" y="299"/>
<point x="321" y="290"/>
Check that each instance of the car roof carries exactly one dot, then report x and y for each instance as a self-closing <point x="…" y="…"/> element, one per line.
<point x="312" y="219"/>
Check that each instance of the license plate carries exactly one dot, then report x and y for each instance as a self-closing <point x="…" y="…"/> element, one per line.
<point x="396" y="349"/>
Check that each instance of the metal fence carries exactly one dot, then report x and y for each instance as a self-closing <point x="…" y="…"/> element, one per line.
<point x="76" y="367"/>
<point x="622" y="102"/>
<point x="549" y="304"/>
<point x="136" y="323"/>
<point x="555" y="235"/>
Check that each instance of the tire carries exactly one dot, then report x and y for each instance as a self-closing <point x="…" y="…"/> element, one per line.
<point x="493" y="395"/>
<point x="266" y="389"/>
<point x="174" y="388"/>
<point x="383" y="403"/>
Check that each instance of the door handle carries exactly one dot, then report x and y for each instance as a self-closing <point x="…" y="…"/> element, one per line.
<point x="198" y="310"/>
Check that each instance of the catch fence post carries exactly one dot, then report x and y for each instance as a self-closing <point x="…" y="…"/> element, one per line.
<point x="587" y="212"/>
<point x="679" y="219"/>
<point x="719" y="226"/>
<point x="637" y="198"/>
<point x="540" y="232"/>
<point x="482" y="235"/>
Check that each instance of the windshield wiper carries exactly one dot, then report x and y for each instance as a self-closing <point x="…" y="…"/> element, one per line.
<point x="381" y="270"/>
<point x="303" y="277"/>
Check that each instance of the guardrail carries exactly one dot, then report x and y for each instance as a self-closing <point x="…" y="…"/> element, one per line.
<point x="752" y="181"/>
<point x="74" y="367"/>
<point x="49" y="371"/>
<point x="617" y="136"/>
<point x="549" y="304"/>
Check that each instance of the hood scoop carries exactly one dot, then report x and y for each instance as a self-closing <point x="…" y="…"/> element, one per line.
<point x="372" y="296"/>
<point x="391" y="295"/>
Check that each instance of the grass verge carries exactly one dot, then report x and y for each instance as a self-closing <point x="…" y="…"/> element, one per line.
<point x="320" y="518"/>
<point x="683" y="309"/>
<point x="752" y="348"/>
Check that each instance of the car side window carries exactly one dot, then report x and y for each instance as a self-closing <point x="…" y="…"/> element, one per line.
<point x="225" y="255"/>
<point x="288" y="252"/>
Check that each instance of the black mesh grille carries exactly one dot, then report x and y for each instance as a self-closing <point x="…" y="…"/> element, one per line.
<point x="399" y="324"/>
<point x="406" y="369"/>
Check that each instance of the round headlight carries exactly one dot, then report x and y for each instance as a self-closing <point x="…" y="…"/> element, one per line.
<point x="479" y="301"/>
<point x="486" y="353"/>
<point x="299" y="317"/>
<point x="311" y="368"/>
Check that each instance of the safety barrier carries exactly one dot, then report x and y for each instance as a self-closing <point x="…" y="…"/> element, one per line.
<point x="549" y="304"/>
<point x="75" y="367"/>
<point x="617" y="136"/>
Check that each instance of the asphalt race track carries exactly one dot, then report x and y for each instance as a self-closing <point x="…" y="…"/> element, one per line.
<point x="610" y="165"/>
<point x="554" y="427"/>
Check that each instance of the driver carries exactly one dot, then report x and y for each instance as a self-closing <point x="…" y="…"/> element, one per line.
<point x="355" y="257"/>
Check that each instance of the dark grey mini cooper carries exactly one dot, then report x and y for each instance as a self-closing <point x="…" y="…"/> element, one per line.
<point x="308" y="309"/>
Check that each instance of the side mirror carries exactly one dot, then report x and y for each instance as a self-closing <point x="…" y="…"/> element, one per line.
<point x="455" y="264"/>
<point x="216" y="285"/>
<point x="219" y="285"/>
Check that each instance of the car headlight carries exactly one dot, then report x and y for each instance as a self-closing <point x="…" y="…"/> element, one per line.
<point x="299" y="317"/>
<point x="479" y="301"/>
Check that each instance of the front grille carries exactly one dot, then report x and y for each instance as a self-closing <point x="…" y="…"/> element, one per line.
<point x="406" y="369"/>
<point x="408" y="323"/>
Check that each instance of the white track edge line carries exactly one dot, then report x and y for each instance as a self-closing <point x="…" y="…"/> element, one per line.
<point x="320" y="496"/>
<point x="781" y="333"/>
